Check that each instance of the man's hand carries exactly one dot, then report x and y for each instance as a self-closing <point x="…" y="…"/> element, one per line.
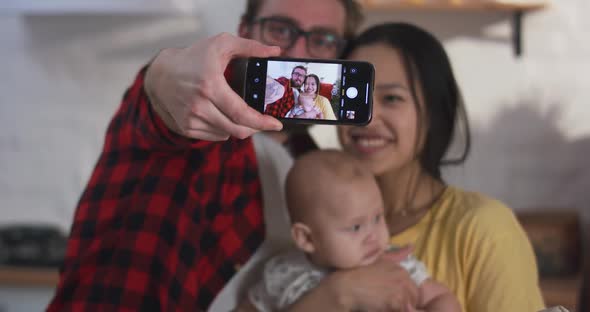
<point x="189" y="92"/>
<point x="274" y="91"/>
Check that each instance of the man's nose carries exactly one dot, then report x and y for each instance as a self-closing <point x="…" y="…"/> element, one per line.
<point x="299" y="49"/>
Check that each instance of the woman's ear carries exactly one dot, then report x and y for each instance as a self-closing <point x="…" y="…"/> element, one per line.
<point x="301" y="234"/>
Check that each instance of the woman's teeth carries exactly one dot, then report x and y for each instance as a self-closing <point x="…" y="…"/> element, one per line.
<point x="371" y="143"/>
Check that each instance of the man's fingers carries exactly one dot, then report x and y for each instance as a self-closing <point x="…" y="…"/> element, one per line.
<point x="213" y="120"/>
<point x="252" y="48"/>
<point x="236" y="109"/>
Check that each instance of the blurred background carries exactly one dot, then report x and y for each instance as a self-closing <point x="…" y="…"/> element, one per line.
<point x="65" y="65"/>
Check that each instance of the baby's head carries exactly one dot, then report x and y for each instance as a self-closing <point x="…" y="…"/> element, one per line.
<point x="336" y="210"/>
<point x="306" y="101"/>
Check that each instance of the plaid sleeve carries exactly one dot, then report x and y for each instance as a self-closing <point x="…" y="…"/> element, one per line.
<point x="163" y="222"/>
<point x="148" y="130"/>
<point x="281" y="107"/>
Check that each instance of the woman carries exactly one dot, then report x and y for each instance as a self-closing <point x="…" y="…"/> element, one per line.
<point x="321" y="108"/>
<point x="469" y="242"/>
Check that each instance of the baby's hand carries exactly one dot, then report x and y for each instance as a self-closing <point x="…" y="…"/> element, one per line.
<point x="398" y="254"/>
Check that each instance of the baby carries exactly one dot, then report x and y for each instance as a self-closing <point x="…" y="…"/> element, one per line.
<point x="306" y="108"/>
<point x="336" y="212"/>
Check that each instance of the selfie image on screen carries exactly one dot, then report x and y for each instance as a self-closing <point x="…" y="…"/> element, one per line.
<point x="312" y="90"/>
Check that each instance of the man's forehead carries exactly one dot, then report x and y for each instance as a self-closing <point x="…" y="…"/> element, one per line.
<point x="299" y="70"/>
<point x="308" y="14"/>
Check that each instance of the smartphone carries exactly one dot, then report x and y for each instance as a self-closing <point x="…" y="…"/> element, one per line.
<point x="310" y="91"/>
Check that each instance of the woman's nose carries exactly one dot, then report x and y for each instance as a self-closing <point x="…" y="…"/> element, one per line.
<point x="377" y="111"/>
<point x="376" y="118"/>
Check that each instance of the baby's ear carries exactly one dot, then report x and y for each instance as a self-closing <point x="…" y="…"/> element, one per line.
<point x="301" y="234"/>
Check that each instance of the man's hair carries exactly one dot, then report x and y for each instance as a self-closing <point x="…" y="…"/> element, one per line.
<point x="300" y="67"/>
<point x="353" y="18"/>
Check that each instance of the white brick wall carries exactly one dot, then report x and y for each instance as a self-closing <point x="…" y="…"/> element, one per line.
<point x="530" y="116"/>
<point x="64" y="77"/>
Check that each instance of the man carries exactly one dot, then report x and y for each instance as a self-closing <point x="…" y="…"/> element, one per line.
<point x="290" y="96"/>
<point x="169" y="215"/>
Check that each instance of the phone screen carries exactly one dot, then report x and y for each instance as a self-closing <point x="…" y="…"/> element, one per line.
<point x="311" y="91"/>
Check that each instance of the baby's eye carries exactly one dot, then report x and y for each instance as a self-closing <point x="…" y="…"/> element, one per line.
<point x="378" y="218"/>
<point x="355" y="228"/>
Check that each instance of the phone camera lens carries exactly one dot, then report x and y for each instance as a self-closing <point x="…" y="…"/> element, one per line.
<point x="353" y="70"/>
<point x="255" y="96"/>
<point x="256" y="80"/>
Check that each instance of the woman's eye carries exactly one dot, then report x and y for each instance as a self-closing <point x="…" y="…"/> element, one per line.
<point x="391" y="98"/>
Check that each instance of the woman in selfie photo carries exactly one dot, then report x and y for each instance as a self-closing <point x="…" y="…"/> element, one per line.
<point x="312" y="105"/>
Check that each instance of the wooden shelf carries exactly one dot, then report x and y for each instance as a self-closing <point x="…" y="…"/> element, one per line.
<point x="28" y="277"/>
<point x="564" y="292"/>
<point x="466" y="5"/>
<point x="516" y="8"/>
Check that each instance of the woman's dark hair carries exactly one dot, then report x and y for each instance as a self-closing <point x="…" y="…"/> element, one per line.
<point x="317" y="82"/>
<point x="427" y="65"/>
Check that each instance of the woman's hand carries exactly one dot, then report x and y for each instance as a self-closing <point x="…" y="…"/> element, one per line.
<point x="381" y="286"/>
<point x="188" y="89"/>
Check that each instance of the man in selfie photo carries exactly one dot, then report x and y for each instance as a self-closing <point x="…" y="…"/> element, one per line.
<point x="292" y="88"/>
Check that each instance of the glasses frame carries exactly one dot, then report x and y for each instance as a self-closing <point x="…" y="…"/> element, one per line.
<point x="340" y="42"/>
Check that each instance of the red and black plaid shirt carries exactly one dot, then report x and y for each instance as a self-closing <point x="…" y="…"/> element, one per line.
<point x="281" y="107"/>
<point x="164" y="221"/>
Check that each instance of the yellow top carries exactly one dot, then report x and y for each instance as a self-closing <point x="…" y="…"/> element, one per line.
<point x="475" y="246"/>
<point x="324" y="105"/>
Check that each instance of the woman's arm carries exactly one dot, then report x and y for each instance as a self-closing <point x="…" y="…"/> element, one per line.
<point x="324" y="104"/>
<point x="436" y="297"/>
<point x="246" y="306"/>
<point x="381" y="286"/>
<point x="501" y="270"/>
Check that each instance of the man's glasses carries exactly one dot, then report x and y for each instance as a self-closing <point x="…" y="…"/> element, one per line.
<point x="282" y="32"/>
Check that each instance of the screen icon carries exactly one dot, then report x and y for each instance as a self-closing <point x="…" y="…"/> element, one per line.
<point x="350" y="114"/>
